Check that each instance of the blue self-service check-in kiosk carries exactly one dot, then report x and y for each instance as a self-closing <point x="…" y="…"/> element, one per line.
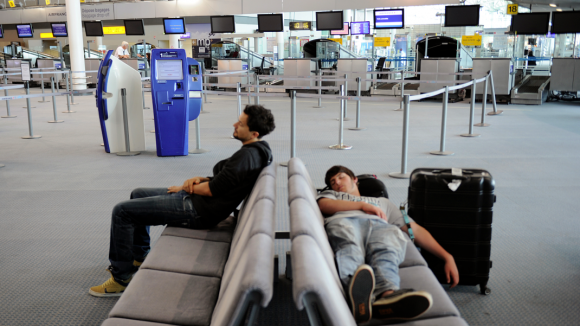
<point x="176" y="90"/>
<point x="112" y="76"/>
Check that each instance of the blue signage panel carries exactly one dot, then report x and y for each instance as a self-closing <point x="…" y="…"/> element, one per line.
<point x="1" y="32"/>
<point x="360" y="28"/>
<point x="393" y="18"/>
<point x="24" y="30"/>
<point x="59" y="30"/>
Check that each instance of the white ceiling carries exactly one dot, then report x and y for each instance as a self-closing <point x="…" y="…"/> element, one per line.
<point x="544" y="5"/>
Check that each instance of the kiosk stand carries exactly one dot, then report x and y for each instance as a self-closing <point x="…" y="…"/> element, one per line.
<point x="114" y="76"/>
<point x="176" y="87"/>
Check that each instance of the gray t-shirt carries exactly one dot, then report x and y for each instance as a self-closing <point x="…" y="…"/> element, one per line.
<point x="394" y="215"/>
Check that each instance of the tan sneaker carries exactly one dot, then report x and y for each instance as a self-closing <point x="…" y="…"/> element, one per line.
<point x="360" y="293"/>
<point x="402" y="304"/>
<point x="137" y="263"/>
<point x="111" y="288"/>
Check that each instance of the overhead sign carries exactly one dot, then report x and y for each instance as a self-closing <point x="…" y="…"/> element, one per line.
<point x="471" y="40"/>
<point x="382" y="41"/>
<point x="113" y="30"/>
<point x="46" y="35"/>
<point x="337" y="40"/>
<point x="512" y="9"/>
<point x="300" y="26"/>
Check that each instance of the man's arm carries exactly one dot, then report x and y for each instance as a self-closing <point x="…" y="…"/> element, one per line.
<point x="196" y="185"/>
<point x="332" y="206"/>
<point x="426" y="241"/>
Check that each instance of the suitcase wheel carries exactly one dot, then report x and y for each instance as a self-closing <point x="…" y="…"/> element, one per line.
<point x="483" y="289"/>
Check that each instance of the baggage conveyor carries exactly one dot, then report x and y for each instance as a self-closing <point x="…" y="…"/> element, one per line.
<point x="531" y="90"/>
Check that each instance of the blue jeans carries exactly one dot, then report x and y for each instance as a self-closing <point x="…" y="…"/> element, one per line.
<point x="360" y="240"/>
<point x="131" y="220"/>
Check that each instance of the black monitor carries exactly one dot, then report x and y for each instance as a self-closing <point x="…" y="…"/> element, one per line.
<point x="24" y="30"/>
<point x="174" y="25"/>
<point x="1" y="32"/>
<point x="329" y="21"/>
<point x="458" y="16"/>
<point x="271" y="23"/>
<point x="59" y="29"/>
<point x="531" y="23"/>
<point x="134" y="27"/>
<point x="389" y="18"/>
<point x="94" y="29"/>
<point x="222" y="24"/>
<point x="565" y="22"/>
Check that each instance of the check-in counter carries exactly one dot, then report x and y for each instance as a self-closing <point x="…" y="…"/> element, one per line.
<point x="438" y="65"/>
<point x="299" y="67"/>
<point x="359" y="68"/>
<point x="12" y="64"/>
<point x="502" y="71"/>
<point x="232" y="65"/>
<point x="565" y="75"/>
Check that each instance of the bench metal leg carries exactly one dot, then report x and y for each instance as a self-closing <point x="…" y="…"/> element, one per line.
<point x="288" y="266"/>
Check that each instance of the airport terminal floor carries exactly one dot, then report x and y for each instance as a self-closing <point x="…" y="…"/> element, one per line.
<point x="57" y="193"/>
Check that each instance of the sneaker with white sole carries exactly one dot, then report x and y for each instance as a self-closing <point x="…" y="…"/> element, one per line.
<point x="402" y="304"/>
<point x="360" y="292"/>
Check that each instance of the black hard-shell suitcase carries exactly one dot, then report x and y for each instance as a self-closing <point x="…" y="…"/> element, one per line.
<point x="459" y="220"/>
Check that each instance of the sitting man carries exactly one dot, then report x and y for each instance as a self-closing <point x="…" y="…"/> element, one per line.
<point x="200" y="203"/>
<point x="367" y="230"/>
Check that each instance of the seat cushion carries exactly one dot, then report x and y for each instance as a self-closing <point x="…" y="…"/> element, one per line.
<point x="412" y="256"/>
<point x="189" y="256"/>
<point x="221" y="232"/>
<point x="130" y="322"/>
<point x="170" y="298"/>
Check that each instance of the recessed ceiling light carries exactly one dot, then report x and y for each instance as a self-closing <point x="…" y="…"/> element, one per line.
<point x="553" y="5"/>
<point x="558" y="9"/>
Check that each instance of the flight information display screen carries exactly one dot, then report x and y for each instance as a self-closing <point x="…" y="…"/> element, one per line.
<point x="174" y="25"/>
<point x="24" y="30"/>
<point x="169" y="70"/>
<point x="59" y="29"/>
<point x="360" y="28"/>
<point x="389" y="18"/>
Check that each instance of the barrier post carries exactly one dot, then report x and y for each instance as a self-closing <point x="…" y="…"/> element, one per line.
<point x="345" y="93"/>
<point x="53" y="103"/>
<point x="441" y="150"/>
<point x="7" y="101"/>
<point x="205" y="88"/>
<point x="239" y="89"/>
<point x="340" y="144"/>
<point x="471" y="111"/>
<point x="143" y="98"/>
<point x="68" y="98"/>
<point x="72" y="97"/>
<point x="249" y="88"/>
<point x="357" y="106"/>
<point x="30" y="131"/>
<point x="127" y="151"/>
<point x="292" y="127"/>
<point x="42" y="87"/>
<point x="483" y="104"/>
<point x="319" y="90"/>
<point x="403" y="174"/>
<point x="495" y="111"/>
<point x="402" y="91"/>
<point x="257" y="99"/>
<point x="198" y="149"/>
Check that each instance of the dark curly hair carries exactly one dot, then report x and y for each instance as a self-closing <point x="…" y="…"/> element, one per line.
<point x="260" y="119"/>
<point x="336" y="170"/>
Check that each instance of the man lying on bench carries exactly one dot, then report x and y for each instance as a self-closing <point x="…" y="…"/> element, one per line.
<point x="200" y="203"/>
<point x="365" y="231"/>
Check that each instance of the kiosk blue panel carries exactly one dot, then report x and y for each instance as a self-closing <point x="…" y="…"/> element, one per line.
<point x="176" y="91"/>
<point x="102" y="78"/>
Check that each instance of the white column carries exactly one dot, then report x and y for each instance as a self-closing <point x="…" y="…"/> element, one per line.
<point x="75" y="39"/>
<point x="174" y="41"/>
<point x="280" y="43"/>
<point x="256" y="40"/>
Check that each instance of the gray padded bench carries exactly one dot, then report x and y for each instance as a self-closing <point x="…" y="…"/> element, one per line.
<point x="316" y="285"/>
<point x="215" y="277"/>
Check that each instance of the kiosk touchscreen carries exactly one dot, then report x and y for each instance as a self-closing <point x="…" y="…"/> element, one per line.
<point x="176" y="90"/>
<point x="114" y="74"/>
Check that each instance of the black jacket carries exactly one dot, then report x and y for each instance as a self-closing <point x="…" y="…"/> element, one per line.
<point x="233" y="180"/>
